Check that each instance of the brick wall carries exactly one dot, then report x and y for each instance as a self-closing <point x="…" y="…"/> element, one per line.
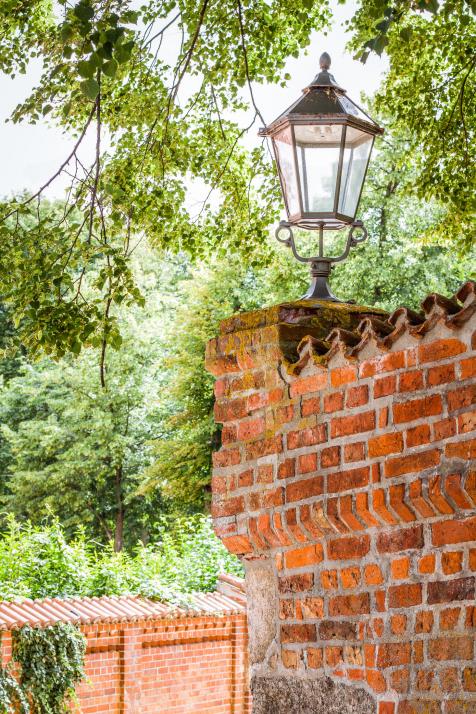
<point x="347" y="483"/>
<point x="174" y="666"/>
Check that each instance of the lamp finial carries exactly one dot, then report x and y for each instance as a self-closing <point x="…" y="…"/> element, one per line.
<point x="325" y="61"/>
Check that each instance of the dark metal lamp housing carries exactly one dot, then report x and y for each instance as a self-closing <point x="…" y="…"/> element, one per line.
<point x="322" y="147"/>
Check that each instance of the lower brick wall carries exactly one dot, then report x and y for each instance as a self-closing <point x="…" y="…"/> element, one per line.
<point x="196" y="664"/>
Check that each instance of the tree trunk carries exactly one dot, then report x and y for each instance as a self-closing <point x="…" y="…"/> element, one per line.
<point x="120" y="512"/>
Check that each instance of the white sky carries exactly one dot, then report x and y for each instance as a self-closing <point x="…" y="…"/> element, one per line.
<point x="31" y="154"/>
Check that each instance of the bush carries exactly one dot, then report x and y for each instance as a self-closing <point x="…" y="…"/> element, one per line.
<point x="39" y="562"/>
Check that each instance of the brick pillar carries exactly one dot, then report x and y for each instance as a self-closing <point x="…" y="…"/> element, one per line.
<point x="346" y="482"/>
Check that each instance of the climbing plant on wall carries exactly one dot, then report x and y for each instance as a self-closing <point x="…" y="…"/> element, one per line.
<point x="51" y="663"/>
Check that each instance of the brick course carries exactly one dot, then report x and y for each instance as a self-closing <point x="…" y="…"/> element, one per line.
<point x="377" y="520"/>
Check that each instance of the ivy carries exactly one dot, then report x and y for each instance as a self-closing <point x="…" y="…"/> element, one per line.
<point x="52" y="663"/>
<point x="12" y="696"/>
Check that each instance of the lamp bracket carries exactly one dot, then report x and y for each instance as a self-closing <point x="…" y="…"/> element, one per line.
<point x="321" y="265"/>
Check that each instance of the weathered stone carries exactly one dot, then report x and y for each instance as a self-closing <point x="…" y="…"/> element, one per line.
<point x="280" y="695"/>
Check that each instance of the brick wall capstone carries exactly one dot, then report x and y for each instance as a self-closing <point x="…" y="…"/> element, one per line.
<point x="346" y="482"/>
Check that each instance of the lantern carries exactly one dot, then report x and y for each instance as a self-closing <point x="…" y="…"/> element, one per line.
<point x="322" y="147"/>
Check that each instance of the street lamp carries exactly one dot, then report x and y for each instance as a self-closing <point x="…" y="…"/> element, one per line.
<point x="322" y="146"/>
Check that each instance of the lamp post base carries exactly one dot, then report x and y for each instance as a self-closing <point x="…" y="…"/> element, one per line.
<point x="319" y="288"/>
<point x="321" y="265"/>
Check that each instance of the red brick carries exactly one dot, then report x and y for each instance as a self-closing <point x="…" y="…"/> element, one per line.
<point x="461" y="450"/>
<point x="290" y="658"/>
<point x="296" y="583"/>
<point x="467" y="422"/>
<point x="354" y="452"/>
<point x="444" y="429"/>
<point x="230" y="410"/>
<point x="440" y="349"/>
<point x="286" y="468"/>
<point x="400" y="680"/>
<point x="400" y="568"/>
<point x="307" y="437"/>
<point x="386" y="444"/>
<point x="469" y="679"/>
<point x="308" y="555"/>
<point x="228" y="507"/>
<point x="398" y="624"/>
<point x="424" y="622"/>
<point x="468" y="368"/>
<point x="298" y="633"/>
<point x="330" y="457"/>
<point x="410" y="381"/>
<point x="450" y="590"/>
<point x="265" y="447"/>
<point x="412" y="463"/>
<point x="383" y="386"/>
<point x="329" y="579"/>
<point x="348" y="547"/>
<point x="441" y="375"/>
<point x="305" y="385"/>
<point x="299" y="490"/>
<point x="449" y="618"/>
<point x="452" y="562"/>
<point x="286" y="609"/>
<point x="250" y="429"/>
<point x="347" y="425"/>
<point x="417" y="409"/>
<point x="312" y="608"/>
<point x="376" y="681"/>
<point x="238" y="544"/>
<point x="426" y="564"/>
<point x="418" y="436"/>
<point x="357" y="396"/>
<point x="307" y="463"/>
<point x="310" y="406"/>
<point x="245" y="478"/>
<point x="337" y="630"/>
<point x="462" y="397"/>
<point x="333" y="402"/>
<point x="345" y="480"/>
<point x="265" y="473"/>
<point x="386" y="707"/>
<point x="334" y="656"/>
<point x="343" y="375"/>
<point x="393" y="654"/>
<point x="407" y="595"/>
<point x="379" y="365"/>
<point x="350" y="577"/>
<point x="358" y="604"/>
<point x="447" y="648"/>
<point x="383" y="417"/>
<point x="397" y="540"/>
<point x="373" y="575"/>
<point x="454" y="531"/>
<point x="314" y="657"/>
<point x="226" y="457"/>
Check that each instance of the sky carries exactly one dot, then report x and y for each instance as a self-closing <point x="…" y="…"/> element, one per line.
<point x="30" y="154"/>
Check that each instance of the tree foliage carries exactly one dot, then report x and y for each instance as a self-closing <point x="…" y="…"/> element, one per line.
<point x="429" y="94"/>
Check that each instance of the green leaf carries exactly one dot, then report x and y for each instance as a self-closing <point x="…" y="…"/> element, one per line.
<point x="123" y="52"/>
<point x="84" y="12"/>
<point x="110" y="68"/>
<point x="86" y="69"/>
<point x="90" y="88"/>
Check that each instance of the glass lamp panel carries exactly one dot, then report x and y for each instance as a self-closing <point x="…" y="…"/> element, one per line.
<point x="318" y="151"/>
<point x="283" y="144"/>
<point x="358" y="145"/>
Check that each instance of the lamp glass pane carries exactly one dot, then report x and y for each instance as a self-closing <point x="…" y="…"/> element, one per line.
<point x="285" y="159"/>
<point x="354" y="165"/>
<point x="318" y="149"/>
